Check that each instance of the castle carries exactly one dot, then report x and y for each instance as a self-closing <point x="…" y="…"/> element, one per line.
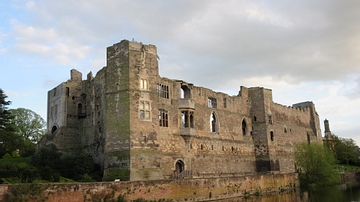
<point x="140" y="126"/>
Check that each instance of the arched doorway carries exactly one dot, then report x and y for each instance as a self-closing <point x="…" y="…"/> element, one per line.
<point x="179" y="166"/>
<point x="53" y="129"/>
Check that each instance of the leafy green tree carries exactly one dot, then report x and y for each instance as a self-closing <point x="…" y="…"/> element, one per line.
<point x="346" y="150"/>
<point x="28" y="124"/>
<point x="48" y="161"/>
<point x="9" y="141"/>
<point x="315" y="163"/>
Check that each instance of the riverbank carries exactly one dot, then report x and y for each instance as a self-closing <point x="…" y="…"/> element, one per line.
<point x="174" y="190"/>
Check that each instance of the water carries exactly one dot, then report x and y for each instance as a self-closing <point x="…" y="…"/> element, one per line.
<point x="341" y="193"/>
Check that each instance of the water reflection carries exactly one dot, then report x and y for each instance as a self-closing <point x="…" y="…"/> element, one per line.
<point x="338" y="193"/>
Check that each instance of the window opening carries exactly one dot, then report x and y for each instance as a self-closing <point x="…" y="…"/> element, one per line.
<point x="179" y="166"/>
<point x="212" y="102"/>
<point x="144" y="109"/>
<point x="163" y="118"/>
<point x="225" y="103"/>
<point x="271" y="135"/>
<point x="143" y="84"/>
<point x="270" y="119"/>
<point x="185" y="92"/>
<point x="163" y="90"/>
<point x="285" y="130"/>
<point x="213" y="122"/>
<point x="187" y="119"/>
<point x="243" y="127"/>
<point x="67" y="91"/>
<point x="255" y="119"/>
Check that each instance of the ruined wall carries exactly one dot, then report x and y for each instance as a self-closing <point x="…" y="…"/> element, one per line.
<point x="175" y="190"/>
<point x="140" y="126"/>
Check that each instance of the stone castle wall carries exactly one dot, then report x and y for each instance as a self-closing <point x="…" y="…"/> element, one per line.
<point x="140" y="126"/>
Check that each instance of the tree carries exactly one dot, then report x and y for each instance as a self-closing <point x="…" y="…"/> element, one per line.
<point x="28" y="124"/>
<point x="9" y="141"/>
<point x="346" y="150"/>
<point x="315" y="163"/>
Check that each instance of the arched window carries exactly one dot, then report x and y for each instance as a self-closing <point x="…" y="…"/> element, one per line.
<point x="214" y="123"/>
<point x="243" y="124"/>
<point x="143" y="84"/>
<point x="185" y="92"/>
<point x="271" y="135"/>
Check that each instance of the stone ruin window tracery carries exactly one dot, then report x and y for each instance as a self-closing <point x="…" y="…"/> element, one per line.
<point x="187" y="119"/>
<point x="163" y="90"/>
<point x="144" y="110"/>
<point x="212" y="103"/>
<point x="163" y="118"/>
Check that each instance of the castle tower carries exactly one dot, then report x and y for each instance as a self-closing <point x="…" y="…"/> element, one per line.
<point x="263" y="128"/>
<point x="128" y="105"/>
<point x="327" y="132"/>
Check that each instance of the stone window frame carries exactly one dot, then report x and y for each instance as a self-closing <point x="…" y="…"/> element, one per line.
<point x="212" y="102"/>
<point x="163" y="118"/>
<point x="243" y="127"/>
<point x="144" y="84"/>
<point x="185" y="92"/>
<point x="187" y="119"/>
<point x="214" y="122"/>
<point x="225" y="102"/>
<point x="163" y="90"/>
<point x="144" y="110"/>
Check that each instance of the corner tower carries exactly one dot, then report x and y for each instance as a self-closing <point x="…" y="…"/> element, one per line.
<point x="131" y="68"/>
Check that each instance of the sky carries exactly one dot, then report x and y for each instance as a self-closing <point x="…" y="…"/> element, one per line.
<point x="303" y="50"/>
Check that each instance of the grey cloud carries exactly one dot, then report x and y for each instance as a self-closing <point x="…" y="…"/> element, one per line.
<point x="302" y="40"/>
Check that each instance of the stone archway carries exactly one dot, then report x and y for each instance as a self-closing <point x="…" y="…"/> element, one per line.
<point x="179" y="166"/>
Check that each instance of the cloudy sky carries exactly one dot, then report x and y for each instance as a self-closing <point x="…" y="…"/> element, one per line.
<point x="302" y="50"/>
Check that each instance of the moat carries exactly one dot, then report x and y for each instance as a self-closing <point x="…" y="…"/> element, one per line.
<point x="334" y="193"/>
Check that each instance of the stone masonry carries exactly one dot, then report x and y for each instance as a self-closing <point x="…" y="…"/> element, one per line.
<point x="140" y="126"/>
